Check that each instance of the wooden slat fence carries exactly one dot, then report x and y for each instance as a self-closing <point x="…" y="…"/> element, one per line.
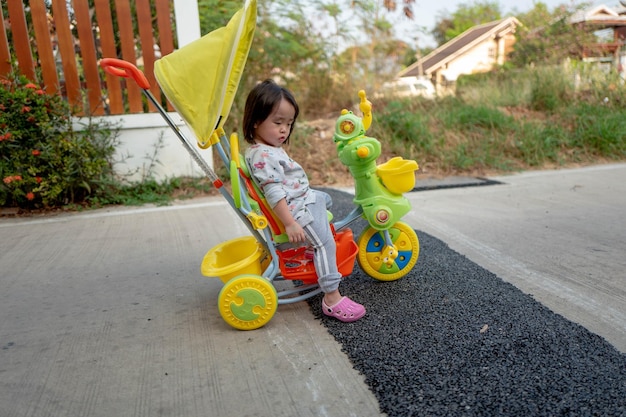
<point x="59" y="47"/>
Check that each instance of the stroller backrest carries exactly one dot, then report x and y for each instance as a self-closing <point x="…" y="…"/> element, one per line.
<point x="255" y="193"/>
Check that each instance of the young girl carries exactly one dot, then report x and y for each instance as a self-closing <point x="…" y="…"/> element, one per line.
<point x="269" y="117"/>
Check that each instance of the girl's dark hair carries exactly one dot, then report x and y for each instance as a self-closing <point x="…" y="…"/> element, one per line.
<point x="261" y="101"/>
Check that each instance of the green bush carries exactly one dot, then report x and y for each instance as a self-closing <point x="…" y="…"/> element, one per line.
<point x="599" y="129"/>
<point x="44" y="162"/>
<point x="498" y="88"/>
<point x="537" y="143"/>
<point x="550" y="90"/>
<point x="403" y="125"/>
<point x="467" y="117"/>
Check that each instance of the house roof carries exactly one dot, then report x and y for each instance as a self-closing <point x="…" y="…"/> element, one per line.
<point x="601" y="16"/>
<point x="595" y="13"/>
<point x="455" y="47"/>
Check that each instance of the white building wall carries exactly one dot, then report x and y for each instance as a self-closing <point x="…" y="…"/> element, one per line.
<point x="147" y="136"/>
<point x="476" y="60"/>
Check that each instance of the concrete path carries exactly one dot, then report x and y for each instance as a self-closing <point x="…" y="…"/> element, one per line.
<point x="105" y="313"/>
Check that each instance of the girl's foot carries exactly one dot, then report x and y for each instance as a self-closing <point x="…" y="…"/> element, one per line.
<point x="345" y="310"/>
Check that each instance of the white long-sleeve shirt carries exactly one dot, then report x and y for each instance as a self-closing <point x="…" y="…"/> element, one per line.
<point x="280" y="177"/>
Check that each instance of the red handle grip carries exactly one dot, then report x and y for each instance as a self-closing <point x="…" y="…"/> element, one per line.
<point x="121" y="68"/>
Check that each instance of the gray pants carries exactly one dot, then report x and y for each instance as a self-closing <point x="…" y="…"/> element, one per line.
<point x="321" y="239"/>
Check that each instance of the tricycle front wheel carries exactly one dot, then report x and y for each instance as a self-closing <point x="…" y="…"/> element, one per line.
<point x="379" y="265"/>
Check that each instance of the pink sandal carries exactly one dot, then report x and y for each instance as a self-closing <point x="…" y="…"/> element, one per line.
<point x="345" y="310"/>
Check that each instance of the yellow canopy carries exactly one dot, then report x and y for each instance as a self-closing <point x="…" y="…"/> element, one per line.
<point x="201" y="78"/>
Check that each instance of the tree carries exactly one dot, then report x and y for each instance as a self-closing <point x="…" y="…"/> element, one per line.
<point x="448" y="27"/>
<point x="216" y="13"/>
<point x="318" y="49"/>
<point x="407" y="9"/>
<point x="549" y="37"/>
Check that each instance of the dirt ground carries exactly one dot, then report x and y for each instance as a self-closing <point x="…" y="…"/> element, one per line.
<point x="318" y="156"/>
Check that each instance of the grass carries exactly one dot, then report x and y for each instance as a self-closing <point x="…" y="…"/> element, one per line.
<point x="510" y="121"/>
<point x="496" y="123"/>
<point x="150" y="191"/>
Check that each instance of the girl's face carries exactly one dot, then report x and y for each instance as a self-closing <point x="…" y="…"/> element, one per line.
<point x="275" y="130"/>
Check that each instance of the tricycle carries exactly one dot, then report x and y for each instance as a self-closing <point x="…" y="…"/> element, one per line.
<point x="250" y="266"/>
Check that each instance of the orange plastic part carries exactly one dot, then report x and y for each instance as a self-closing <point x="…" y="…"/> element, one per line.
<point x="275" y="225"/>
<point x="294" y="265"/>
<point x="125" y="69"/>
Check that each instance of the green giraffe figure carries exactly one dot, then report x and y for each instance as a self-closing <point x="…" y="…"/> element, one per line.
<point x="378" y="188"/>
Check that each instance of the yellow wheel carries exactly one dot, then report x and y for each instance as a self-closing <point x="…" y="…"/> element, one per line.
<point x="247" y="302"/>
<point x="382" y="262"/>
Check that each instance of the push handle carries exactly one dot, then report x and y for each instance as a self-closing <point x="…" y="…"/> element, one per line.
<point x="121" y="68"/>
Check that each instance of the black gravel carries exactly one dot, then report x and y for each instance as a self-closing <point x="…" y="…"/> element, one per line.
<point x="453" y="339"/>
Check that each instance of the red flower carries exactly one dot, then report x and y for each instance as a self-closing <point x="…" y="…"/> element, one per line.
<point x="30" y="196"/>
<point x="31" y="85"/>
<point x="40" y="92"/>
<point x="11" y="178"/>
<point x="38" y="179"/>
<point x="36" y="152"/>
<point x="25" y="109"/>
<point x="6" y="136"/>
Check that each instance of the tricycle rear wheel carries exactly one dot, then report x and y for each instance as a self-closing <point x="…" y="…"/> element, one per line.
<point x="247" y="302"/>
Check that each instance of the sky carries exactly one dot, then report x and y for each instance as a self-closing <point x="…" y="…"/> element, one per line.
<point x="427" y="11"/>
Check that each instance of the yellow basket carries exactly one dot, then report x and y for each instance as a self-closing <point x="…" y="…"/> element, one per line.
<point x="398" y="174"/>
<point x="232" y="258"/>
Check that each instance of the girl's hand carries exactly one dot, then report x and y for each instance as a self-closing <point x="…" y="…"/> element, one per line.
<point x="292" y="228"/>
<point x="295" y="233"/>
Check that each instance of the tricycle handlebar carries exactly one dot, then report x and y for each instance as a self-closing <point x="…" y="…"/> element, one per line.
<point x="121" y="68"/>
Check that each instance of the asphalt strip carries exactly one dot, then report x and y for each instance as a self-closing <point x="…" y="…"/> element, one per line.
<point x="453" y="339"/>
